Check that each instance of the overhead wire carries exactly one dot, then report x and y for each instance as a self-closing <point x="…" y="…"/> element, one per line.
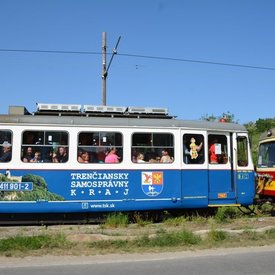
<point x="199" y="61"/>
<point x="46" y="51"/>
<point x="142" y="56"/>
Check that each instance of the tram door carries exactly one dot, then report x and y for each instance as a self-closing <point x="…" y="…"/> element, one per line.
<point x="195" y="168"/>
<point x="220" y="173"/>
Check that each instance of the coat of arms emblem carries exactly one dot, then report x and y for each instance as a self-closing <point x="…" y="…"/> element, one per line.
<point x="152" y="183"/>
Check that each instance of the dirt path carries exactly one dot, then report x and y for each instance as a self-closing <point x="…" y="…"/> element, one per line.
<point x="91" y="232"/>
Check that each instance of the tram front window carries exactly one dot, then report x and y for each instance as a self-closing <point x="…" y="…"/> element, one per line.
<point x="266" y="157"/>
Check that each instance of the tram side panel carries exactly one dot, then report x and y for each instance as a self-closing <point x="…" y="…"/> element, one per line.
<point x="194" y="188"/>
<point x="89" y="190"/>
<point x="75" y="187"/>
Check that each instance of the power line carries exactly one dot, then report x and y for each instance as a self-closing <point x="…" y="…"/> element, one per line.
<point x="44" y="51"/>
<point x="199" y="61"/>
<point x="143" y="56"/>
<point x="202" y="62"/>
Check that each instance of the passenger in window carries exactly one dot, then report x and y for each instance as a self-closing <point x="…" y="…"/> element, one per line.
<point x="112" y="156"/>
<point x="61" y="155"/>
<point x="28" y="155"/>
<point x="48" y="157"/>
<point x="194" y="148"/>
<point x="6" y="147"/>
<point x="134" y="156"/>
<point x="154" y="158"/>
<point x="213" y="156"/>
<point x="186" y="153"/>
<point x="37" y="157"/>
<point x="165" y="156"/>
<point x="140" y="158"/>
<point x="100" y="154"/>
<point x="149" y="155"/>
<point x="83" y="157"/>
<point x="93" y="157"/>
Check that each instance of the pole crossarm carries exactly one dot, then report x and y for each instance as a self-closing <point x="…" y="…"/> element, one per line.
<point x="104" y="70"/>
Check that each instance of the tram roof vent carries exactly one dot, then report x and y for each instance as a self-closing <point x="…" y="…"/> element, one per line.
<point x="103" y="109"/>
<point x="147" y="110"/>
<point x="41" y="107"/>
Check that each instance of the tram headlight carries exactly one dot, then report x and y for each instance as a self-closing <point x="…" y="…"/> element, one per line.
<point x="269" y="133"/>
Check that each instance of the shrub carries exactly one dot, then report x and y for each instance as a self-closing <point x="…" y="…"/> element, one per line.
<point x="225" y="213"/>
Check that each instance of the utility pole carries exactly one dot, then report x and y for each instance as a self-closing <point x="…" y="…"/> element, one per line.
<point x="104" y="70"/>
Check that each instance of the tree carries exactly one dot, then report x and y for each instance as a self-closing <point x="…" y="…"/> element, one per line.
<point x="225" y="117"/>
<point x="263" y="125"/>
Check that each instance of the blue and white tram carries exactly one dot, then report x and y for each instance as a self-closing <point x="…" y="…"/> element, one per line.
<point x="54" y="161"/>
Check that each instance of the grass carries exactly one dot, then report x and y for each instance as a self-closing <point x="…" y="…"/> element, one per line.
<point x="27" y="244"/>
<point x="115" y="220"/>
<point x="122" y="236"/>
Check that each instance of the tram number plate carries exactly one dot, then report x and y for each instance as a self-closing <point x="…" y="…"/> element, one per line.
<point x="16" y="186"/>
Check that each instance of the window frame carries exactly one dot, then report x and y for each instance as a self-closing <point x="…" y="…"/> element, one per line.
<point x="7" y="139"/>
<point x="48" y="148"/>
<point x="152" y="150"/>
<point x="97" y="149"/>
<point x="186" y="140"/>
<point x="222" y="145"/>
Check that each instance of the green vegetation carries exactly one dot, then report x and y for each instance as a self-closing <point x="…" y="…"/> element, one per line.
<point x="25" y="244"/>
<point x="225" y="214"/>
<point x="115" y="220"/>
<point x="227" y="228"/>
<point x="32" y="243"/>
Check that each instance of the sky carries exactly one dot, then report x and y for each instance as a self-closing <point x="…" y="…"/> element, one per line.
<point x="194" y="57"/>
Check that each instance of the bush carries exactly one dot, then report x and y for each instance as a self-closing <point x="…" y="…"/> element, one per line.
<point x="116" y="220"/>
<point x="25" y="243"/>
<point x="173" y="239"/>
<point x="217" y="235"/>
<point x="225" y="213"/>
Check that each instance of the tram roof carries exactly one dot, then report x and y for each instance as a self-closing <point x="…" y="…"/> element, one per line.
<point x="123" y="121"/>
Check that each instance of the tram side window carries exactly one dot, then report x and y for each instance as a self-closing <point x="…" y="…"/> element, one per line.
<point x="193" y="149"/>
<point x="45" y="146"/>
<point x="100" y="147"/>
<point x="218" y="149"/>
<point x="242" y="151"/>
<point x="152" y="147"/>
<point x="5" y="145"/>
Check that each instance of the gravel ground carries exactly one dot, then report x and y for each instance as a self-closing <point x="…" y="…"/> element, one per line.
<point x="92" y="232"/>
